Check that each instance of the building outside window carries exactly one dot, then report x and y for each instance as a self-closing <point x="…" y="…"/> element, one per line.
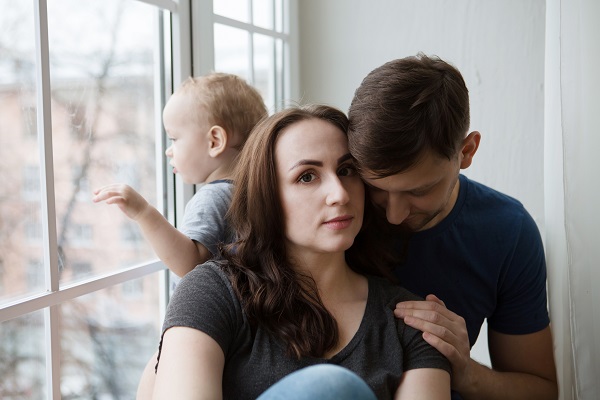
<point x="82" y="86"/>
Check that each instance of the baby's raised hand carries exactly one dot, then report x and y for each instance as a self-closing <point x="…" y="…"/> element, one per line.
<point x="128" y="200"/>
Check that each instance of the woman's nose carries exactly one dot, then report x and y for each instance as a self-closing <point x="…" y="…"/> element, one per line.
<point x="336" y="192"/>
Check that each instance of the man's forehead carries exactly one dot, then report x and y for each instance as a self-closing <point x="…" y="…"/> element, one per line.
<point x="402" y="181"/>
<point x="376" y="181"/>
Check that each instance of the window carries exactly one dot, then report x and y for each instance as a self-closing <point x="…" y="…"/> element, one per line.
<point x="252" y="38"/>
<point x="29" y="121"/>
<point x="77" y="100"/>
<point x="80" y="107"/>
<point x="81" y="269"/>
<point x="31" y="183"/>
<point x="33" y="232"/>
<point x="130" y="234"/>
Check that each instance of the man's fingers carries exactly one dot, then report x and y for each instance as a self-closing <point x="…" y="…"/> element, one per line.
<point x="433" y="297"/>
<point x="409" y="307"/>
<point x="444" y="347"/>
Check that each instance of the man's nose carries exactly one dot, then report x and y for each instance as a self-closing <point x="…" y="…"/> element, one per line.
<point x="397" y="209"/>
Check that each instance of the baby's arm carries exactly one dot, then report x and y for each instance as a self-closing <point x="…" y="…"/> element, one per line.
<point x="179" y="253"/>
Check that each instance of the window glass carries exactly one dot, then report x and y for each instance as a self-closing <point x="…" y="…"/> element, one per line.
<point x="264" y="67"/>
<point x="234" y="9"/>
<point x="23" y="358"/>
<point x="103" y="77"/>
<point x="20" y="207"/>
<point x="107" y="338"/>
<point x="280" y="74"/>
<point x="232" y="52"/>
<point x="279" y="9"/>
<point x="262" y="13"/>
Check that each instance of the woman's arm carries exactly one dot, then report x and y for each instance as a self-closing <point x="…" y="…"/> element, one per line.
<point x="190" y="366"/>
<point x="424" y="384"/>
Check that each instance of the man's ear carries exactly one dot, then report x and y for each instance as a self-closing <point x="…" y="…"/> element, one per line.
<point x="217" y="140"/>
<point x="469" y="147"/>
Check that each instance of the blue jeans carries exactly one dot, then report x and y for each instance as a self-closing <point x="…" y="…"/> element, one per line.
<point x="320" y="382"/>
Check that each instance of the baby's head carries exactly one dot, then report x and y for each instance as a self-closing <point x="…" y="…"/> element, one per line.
<point x="228" y="101"/>
<point x="208" y="119"/>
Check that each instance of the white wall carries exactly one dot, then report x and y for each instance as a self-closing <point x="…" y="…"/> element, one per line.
<point x="497" y="45"/>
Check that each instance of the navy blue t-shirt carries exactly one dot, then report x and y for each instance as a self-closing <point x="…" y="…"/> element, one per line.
<point x="484" y="260"/>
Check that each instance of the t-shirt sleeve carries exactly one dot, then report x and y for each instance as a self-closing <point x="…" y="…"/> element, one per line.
<point x="522" y="298"/>
<point x="204" y="218"/>
<point x="417" y="352"/>
<point x="204" y="300"/>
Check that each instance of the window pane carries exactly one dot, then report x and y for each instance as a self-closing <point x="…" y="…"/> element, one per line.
<point x="262" y="13"/>
<point x="234" y="9"/>
<point x="102" y="77"/>
<point x="264" y="68"/>
<point x="20" y="208"/>
<point x="22" y="358"/>
<point x="279" y="9"/>
<point x="107" y="339"/>
<point x="232" y="51"/>
<point x="280" y="91"/>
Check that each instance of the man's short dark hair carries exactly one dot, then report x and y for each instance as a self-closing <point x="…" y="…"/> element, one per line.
<point x="404" y="108"/>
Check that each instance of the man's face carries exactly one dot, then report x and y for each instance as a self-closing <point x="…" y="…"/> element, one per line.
<point x="419" y="198"/>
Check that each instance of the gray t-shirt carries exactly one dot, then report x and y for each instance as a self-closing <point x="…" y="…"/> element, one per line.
<point x="382" y="348"/>
<point x="204" y="218"/>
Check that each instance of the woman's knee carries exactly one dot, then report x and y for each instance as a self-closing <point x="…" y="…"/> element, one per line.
<point x="323" y="381"/>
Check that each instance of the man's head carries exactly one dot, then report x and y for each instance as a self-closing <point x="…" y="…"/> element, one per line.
<point x="408" y="124"/>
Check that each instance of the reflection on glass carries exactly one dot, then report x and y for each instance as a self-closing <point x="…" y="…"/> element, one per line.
<point x="107" y="339"/>
<point x="22" y="358"/>
<point x="264" y="67"/>
<point x="21" y="251"/>
<point x="262" y="13"/>
<point x="102" y="78"/>
<point x="234" y="9"/>
<point x="232" y="52"/>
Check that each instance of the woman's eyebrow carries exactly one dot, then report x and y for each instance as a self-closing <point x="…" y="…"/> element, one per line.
<point x="319" y="163"/>
<point x="306" y="162"/>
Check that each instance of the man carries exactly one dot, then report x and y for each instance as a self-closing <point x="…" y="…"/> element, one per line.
<point x="472" y="252"/>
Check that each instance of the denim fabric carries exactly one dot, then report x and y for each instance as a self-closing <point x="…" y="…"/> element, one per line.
<point x="322" y="382"/>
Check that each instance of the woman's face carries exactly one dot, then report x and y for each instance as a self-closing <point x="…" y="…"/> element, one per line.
<point x="321" y="194"/>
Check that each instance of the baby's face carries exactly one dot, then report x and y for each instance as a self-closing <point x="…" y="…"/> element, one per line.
<point x="188" y="130"/>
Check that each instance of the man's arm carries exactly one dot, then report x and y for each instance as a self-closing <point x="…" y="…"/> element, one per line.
<point x="179" y="253"/>
<point x="523" y="365"/>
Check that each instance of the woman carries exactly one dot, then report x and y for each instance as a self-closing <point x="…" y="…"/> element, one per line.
<point x="298" y="288"/>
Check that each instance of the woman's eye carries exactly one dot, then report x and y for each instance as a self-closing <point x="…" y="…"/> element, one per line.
<point x="307" y="178"/>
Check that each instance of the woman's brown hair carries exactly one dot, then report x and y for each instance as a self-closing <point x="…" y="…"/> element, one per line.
<point x="274" y="295"/>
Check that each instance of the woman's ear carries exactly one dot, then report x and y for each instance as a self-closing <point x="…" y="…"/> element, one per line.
<point x="218" y="140"/>
<point x="469" y="148"/>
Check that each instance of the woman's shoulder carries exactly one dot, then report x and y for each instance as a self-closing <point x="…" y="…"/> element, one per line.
<point x="209" y="276"/>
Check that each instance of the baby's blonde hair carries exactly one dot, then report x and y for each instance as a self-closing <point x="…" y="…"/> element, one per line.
<point x="229" y="102"/>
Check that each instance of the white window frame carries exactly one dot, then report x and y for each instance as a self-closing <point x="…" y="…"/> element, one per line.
<point x="50" y="300"/>
<point x="177" y="68"/>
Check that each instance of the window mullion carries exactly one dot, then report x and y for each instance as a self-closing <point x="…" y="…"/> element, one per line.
<point x="44" y="118"/>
